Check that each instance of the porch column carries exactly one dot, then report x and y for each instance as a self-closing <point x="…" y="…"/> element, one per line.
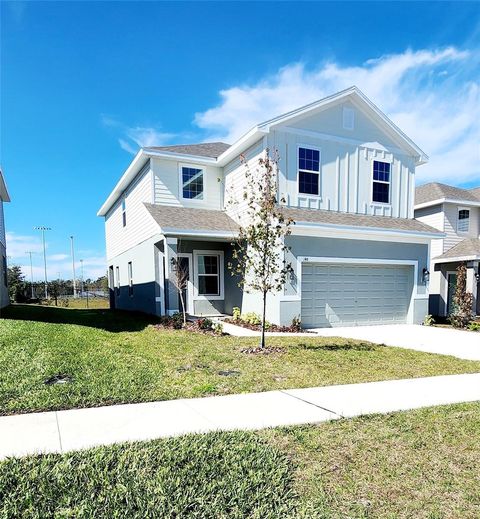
<point x="171" y="293"/>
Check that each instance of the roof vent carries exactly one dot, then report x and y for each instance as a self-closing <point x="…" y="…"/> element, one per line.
<point x="348" y="118"/>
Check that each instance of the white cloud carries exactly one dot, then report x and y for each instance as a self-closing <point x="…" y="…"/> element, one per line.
<point x="18" y="245"/>
<point x="135" y="137"/>
<point x="433" y="95"/>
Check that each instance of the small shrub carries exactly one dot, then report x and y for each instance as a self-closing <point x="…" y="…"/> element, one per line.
<point x="236" y="313"/>
<point x="205" y="324"/>
<point x="474" y="327"/>
<point x="296" y="325"/>
<point x="217" y="329"/>
<point x="252" y="318"/>
<point x="429" y="320"/>
<point x="177" y="319"/>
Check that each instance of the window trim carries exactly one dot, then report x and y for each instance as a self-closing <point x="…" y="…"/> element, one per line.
<point x="124" y="211"/>
<point x="221" y="276"/>
<point x="117" y="281"/>
<point x="130" y="278"/>
<point x="459" y="208"/>
<point x="182" y="165"/>
<point x="373" y="202"/>
<point x="297" y="166"/>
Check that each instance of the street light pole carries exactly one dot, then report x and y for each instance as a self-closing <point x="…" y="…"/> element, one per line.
<point x="29" y="252"/>
<point x="73" y="268"/>
<point x="43" y="229"/>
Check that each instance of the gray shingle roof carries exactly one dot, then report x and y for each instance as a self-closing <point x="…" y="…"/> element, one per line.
<point x="205" y="149"/>
<point x="177" y="219"/>
<point x="468" y="248"/>
<point x="436" y="191"/>
<point x="357" y="220"/>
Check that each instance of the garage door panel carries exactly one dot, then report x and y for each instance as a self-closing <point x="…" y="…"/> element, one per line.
<point x="343" y="295"/>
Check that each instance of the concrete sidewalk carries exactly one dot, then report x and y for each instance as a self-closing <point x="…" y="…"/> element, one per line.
<point x="65" y="431"/>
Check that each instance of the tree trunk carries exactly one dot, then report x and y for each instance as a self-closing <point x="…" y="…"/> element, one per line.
<point x="183" y="307"/>
<point x="262" y="340"/>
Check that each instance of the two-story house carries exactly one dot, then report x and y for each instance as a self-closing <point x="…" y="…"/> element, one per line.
<point x="347" y="174"/>
<point x="456" y="212"/>
<point x="4" y="197"/>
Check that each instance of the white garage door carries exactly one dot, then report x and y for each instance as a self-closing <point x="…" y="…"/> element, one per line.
<point x="353" y="295"/>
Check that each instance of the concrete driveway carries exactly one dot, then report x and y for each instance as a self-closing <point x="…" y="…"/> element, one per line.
<point x="445" y="341"/>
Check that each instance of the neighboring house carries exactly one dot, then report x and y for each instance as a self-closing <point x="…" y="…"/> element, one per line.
<point x="4" y="197"/>
<point x="456" y="212"/>
<point x="347" y="174"/>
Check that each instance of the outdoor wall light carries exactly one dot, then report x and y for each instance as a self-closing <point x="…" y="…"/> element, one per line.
<point x="426" y="275"/>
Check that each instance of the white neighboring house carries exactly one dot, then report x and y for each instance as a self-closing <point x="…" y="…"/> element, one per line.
<point x="347" y="174"/>
<point x="4" y="197"/>
<point x="456" y="212"/>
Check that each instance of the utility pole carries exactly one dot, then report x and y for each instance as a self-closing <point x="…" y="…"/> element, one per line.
<point x="29" y="252"/>
<point x="43" y="229"/>
<point x="73" y="268"/>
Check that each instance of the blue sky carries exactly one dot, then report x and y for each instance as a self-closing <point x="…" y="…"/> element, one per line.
<point x="83" y="84"/>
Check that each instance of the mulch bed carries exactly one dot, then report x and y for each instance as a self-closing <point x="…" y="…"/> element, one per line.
<point x="268" y="350"/>
<point x="271" y="328"/>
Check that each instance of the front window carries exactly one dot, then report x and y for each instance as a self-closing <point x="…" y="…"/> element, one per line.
<point x="124" y="213"/>
<point x="192" y="183"/>
<point x="308" y="171"/>
<point x="463" y="224"/>
<point x="208" y="269"/>
<point x="381" y="182"/>
<point x="117" y="272"/>
<point x="130" y="279"/>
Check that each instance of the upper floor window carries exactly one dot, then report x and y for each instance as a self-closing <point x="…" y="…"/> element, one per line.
<point x="192" y="183"/>
<point x="381" y="182"/>
<point x="124" y="213"/>
<point x="463" y="223"/>
<point x="308" y="171"/>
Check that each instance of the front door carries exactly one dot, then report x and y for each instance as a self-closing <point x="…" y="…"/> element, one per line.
<point x="452" y="285"/>
<point x="185" y="265"/>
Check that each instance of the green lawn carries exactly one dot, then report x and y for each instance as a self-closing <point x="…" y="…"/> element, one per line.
<point x="417" y="464"/>
<point x="116" y="357"/>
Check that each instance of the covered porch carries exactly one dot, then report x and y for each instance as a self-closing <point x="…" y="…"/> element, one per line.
<point x="467" y="252"/>
<point x="199" y="241"/>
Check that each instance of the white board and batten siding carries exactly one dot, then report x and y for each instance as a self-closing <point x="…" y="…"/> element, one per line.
<point x="140" y="225"/>
<point x="346" y="164"/>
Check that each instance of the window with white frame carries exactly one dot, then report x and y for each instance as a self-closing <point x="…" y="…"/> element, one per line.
<point x="208" y="274"/>
<point x="124" y="212"/>
<point x="463" y="222"/>
<point x="130" y="279"/>
<point x="381" y="182"/>
<point x="192" y="183"/>
<point x="308" y="171"/>
<point x="117" y="275"/>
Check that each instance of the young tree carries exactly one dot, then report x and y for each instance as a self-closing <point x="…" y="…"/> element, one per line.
<point x="16" y="284"/>
<point x="462" y="313"/>
<point x="259" y="255"/>
<point x="180" y="282"/>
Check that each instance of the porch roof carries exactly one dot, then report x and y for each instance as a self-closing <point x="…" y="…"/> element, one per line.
<point x="466" y="250"/>
<point x="190" y="220"/>
<point x="365" y="221"/>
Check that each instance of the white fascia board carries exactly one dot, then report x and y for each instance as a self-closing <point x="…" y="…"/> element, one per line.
<point x="197" y="159"/>
<point x="4" y="196"/>
<point x="251" y="137"/>
<point x="456" y="259"/>
<point x="198" y="234"/>
<point x="123" y="183"/>
<point x="470" y="203"/>
<point x="360" y="232"/>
